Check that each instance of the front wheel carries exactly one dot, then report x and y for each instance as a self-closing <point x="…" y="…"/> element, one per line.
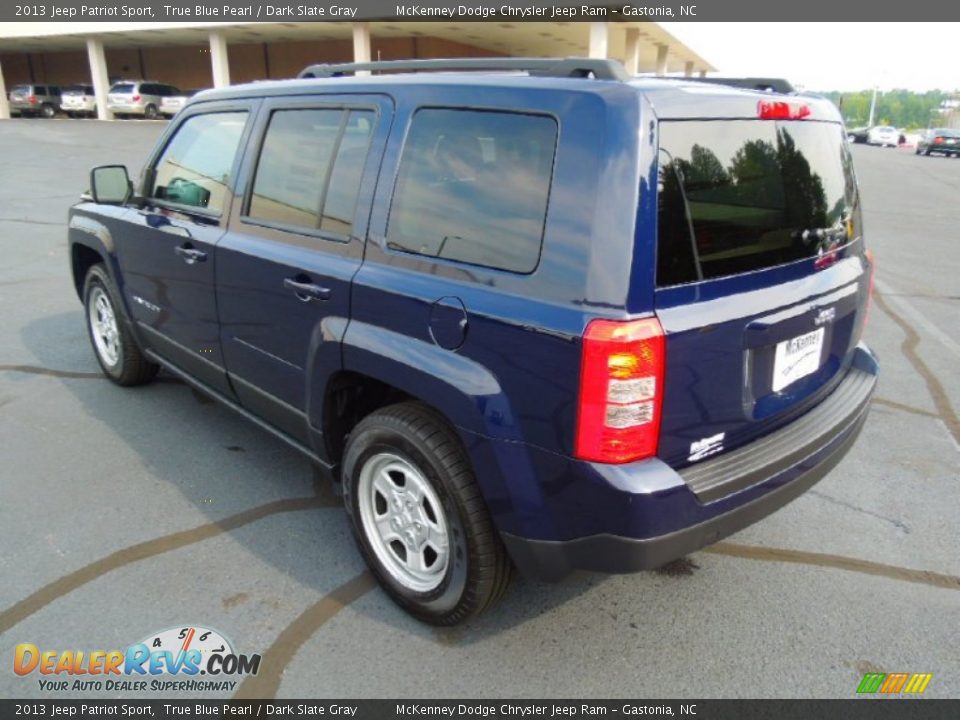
<point x="113" y="343"/>
<point x="419" y="518"/>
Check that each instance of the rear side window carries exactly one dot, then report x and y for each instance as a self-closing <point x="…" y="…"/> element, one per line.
<point x="473" y="187"/>
<point x="194" y="169"/>
<point x="122" y="88"/>
<point x="308" y="175"/>
<point x="741" y="195"/>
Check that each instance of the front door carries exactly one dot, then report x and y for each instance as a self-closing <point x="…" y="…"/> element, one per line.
<point x="166" y="251"/>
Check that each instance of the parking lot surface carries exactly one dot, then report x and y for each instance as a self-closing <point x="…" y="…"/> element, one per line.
<point x="128" y="511"/>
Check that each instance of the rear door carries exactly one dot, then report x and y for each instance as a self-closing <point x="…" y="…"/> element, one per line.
<point x="761" y="276"/>
<point x="284" y="270"/>
<point x="166" y="248"/>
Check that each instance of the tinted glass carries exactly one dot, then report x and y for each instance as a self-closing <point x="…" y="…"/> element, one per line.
<point x="195" y="167"/>
<point x="122" y="88"/>
<point x="294" y="163"/>
<point x="743" y="195"/>
<point x="341" y="197"/>
<point x="39" y="89"/>
<point x="473" y="186"/>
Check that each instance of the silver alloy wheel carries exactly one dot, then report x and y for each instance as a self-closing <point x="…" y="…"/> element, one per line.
<point x="404" y="522"/>
<point x="103" y="327"/>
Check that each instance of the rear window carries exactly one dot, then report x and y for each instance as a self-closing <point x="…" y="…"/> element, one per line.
<point x="123" y="88"/>
<point x="21" y="90"/>
<point x="473" y="187"/>
<point x="741" y="195"/>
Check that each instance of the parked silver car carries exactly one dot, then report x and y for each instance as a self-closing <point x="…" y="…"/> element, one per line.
<point x="39" y="100"/>
<point x="79" y="101"/>
<point x="138" y="98"/>
<point x="170" y="106"/>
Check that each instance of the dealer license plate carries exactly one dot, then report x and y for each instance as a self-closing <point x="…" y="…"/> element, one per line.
<point x="796" y="358"/>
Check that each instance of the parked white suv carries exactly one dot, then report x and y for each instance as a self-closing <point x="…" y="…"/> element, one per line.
<point x="141" y="98"/>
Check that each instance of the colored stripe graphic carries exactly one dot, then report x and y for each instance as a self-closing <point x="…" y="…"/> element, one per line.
<point x="871" y="682"/>
<point x="918" y="682"/>
<point x="894" y="683"/>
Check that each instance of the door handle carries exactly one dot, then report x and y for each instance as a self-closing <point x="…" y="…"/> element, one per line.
<point x="190" y="254"/>
<point x="306" y="291"/>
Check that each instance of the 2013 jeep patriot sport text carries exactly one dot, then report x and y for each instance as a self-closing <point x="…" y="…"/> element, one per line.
<point x="551" y="318"/>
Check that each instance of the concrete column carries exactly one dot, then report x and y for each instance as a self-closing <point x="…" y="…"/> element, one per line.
<point x="662" y="59"/>
<point x="219" y="60"/>
<point x="4" y="103"/>
<point x="361" y="44"/>
<point x="703" y="73"/>
<point x="99" y="76"/>
<point x="688" y="68"/>
<point x="632" y="55"/>
<point x="599" y="40"/>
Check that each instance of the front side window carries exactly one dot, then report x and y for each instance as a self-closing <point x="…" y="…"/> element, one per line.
<point x="195" y="166"/>
<point x="473" y="187"/>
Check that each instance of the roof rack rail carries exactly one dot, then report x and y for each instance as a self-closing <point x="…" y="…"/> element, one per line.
<point x="572" y="67"/>
<point x="777" y="85"/>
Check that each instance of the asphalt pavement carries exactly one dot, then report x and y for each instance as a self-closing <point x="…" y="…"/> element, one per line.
<point x="124" y="512"/>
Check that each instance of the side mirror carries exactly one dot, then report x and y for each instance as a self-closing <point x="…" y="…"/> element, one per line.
<point x="110" y="185"/>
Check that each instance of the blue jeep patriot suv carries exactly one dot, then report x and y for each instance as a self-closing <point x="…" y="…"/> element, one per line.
<point x="528" y="313"/>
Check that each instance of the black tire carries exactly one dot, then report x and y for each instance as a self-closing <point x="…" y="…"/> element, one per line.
<point x="48" y="111"/>
<point x="478" y="569"/>
<point x="150" y="112"/>
<point x="131" y="367"/>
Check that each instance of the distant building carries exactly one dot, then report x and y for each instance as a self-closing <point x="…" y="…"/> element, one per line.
<point x="205" y="54"/>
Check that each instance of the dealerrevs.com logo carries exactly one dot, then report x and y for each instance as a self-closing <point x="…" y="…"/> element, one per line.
<point x="168" y="661"/>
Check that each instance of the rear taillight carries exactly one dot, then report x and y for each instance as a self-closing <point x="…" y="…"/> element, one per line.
<point x="32" y="99"/>
<point x="621" y="391"/>
<point x="136" y="98"/>
<point x="938" y="141"/>
<point x="781" y="110"/>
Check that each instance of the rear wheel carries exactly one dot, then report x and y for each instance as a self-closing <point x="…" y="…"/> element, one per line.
<point x="48" y="111"/>
<point x="419" y="518"/>
<point x="150" y="113"/>
<point x="113" y="343"/>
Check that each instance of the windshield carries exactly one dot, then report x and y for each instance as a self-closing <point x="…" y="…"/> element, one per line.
<point x="742" y="195"/>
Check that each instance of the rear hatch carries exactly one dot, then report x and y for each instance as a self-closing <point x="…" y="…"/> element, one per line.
<point x="20" y="93"/>
<point x="762" y="281"/>
<point x="121" y="94"/>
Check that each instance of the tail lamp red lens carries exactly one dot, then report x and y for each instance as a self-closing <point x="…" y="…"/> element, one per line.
<point x="781" y="110"/>
<point x="621" y="391"/>
<point x="32" y="99"/>
<point x="136" y="98"/>
<point x="938" y="140"/>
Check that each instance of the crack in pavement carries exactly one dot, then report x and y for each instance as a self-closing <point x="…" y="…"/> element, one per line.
<point x="905" y="408"/>
<point x="57" y="589"/>
<point x="945" y="411"/>
<point x="281" y="652"/>
<point x="28" y="221"/>
<point x="838" y="562"/>
<point x="843" y="503"/>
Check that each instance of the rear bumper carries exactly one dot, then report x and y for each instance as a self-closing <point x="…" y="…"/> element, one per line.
<point x="708" y="501"/>
<point x="124" y="109"/>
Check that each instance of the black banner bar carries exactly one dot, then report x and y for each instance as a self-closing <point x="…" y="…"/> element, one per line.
<point x="474" y="11"/>
<point x="854" y="709"/>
